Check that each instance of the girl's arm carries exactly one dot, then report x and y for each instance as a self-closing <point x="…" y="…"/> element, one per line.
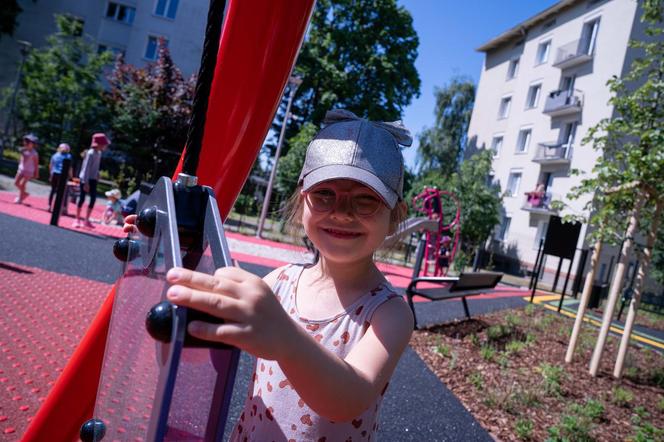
<point x="338" y="389"/>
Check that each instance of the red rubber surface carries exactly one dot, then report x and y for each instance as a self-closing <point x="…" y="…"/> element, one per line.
<point x="44" y="315"/>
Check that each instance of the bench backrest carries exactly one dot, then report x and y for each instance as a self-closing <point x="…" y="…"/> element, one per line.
<point x="475" y="281"/>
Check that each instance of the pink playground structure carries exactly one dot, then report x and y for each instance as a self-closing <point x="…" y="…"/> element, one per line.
<point x="441" y="244"/>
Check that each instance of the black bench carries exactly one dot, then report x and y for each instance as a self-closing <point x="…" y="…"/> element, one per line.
<point x="466" y="284"/>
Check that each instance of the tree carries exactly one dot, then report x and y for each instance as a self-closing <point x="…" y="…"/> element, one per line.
<point x="291" y="164"/>
<point x="8" y="13"/>
<point x="626" y="179"/>
<point x="441" y="146"/>
<point x="356" y="55"/>
<point x="151" y="107"/>
<point x="60" y="96"/>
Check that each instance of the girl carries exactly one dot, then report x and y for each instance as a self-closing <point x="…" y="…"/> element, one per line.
<point x="28" y="167"/>
<point x="327" y="336"/>
<point x="89" y="175"/>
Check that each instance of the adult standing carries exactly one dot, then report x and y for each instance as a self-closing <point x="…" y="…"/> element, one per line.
<point x="28" y="166"/>
<point x="89" y="176"/>
<point x="55" y="170"/>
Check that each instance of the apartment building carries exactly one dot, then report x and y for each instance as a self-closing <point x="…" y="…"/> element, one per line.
<point x="131" y="27"/>
<point x="542" y="86"/>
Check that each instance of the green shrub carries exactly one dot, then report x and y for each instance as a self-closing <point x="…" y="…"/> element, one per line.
<point x="621" y="396"/>
<point x="442" y="350"/>
<point x="497" y="332"/>
<point x="524" y="429"/>
<point x="474" y="339"/>
<point x="529" y="309"/>
<point x="487" y="353"/>
<point x="515" y="346"/>
<point x="657" y="377"/>
<point x="512" y="320"/>
<point x="552" y="377"/>
<point x="578" y="424"/>
<point x="477" y="380"/>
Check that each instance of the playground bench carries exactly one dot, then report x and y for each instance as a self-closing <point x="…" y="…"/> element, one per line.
<point x="466" y="284"/>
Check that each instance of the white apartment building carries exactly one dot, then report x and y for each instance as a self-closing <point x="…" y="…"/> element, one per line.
<point x="542" y="86"/>
<point x="128" y="26"/>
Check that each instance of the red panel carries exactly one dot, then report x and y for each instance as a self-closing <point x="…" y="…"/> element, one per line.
<point x="259" y="44"/>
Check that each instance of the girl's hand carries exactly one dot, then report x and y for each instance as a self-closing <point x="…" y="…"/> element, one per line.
<point x="254" y="319"/>
<point x="130" y="224"/>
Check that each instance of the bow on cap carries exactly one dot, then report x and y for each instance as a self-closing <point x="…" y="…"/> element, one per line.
<point x="396" y="128"/>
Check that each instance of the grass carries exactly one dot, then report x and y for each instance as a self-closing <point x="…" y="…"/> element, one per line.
<point x="552" y="377"/>
<point x="621" y="396"/>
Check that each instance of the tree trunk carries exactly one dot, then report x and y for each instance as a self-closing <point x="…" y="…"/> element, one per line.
<point x="636" y="294"/>
<point x="616" y="284"/>
<point x="585" y="297"/>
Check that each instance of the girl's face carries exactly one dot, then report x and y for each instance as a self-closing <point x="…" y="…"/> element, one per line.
<point x="345" y="220"/>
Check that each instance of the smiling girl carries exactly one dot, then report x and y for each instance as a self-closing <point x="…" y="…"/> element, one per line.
<point x="326" y="336"/>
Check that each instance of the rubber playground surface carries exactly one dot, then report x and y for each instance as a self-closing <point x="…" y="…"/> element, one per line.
<point x="53" y="280"/>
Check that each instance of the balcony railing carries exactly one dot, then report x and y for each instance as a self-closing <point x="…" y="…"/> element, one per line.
<point x="572" y="54"/>
<point x="561" y="102"/>
<point x="553" y="153"/>
<point x="539" y="202"/>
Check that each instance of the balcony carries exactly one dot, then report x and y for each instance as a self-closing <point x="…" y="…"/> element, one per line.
<point x="559" y="103"/>
<point x="539" y="202"/>
<point x="553" y="153"/>
<point x="572" y="54"/>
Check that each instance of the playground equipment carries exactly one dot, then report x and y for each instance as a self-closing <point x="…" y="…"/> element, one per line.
<point x="245" y="66"/>
<point x="440" y="245"/>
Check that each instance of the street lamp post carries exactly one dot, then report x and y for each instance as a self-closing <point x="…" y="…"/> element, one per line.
<point x="25" y="47"/>
<point x="293" y="82"/>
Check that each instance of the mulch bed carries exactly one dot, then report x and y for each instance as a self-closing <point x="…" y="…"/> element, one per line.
<point x="508" y="370"/>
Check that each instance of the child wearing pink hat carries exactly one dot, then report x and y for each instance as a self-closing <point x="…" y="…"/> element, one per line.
<point x="89" y="176"/>
<point x="28" y="166"/>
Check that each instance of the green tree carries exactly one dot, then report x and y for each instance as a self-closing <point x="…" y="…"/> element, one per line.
<point x="441" y="146"/>
<point x="60" y="95"/>
<point x="291" y="164"/>
<point x="151" y="107"/>
<point x="359" y="56"/>
<point x="627" y="179"/>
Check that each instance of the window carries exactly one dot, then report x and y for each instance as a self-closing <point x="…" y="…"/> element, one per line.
<point x="589" y="37"/>
<point x="567" y="84"/>
<point x="121" y="13"/>
<point x="568" y="134"/>
<point x="152" y="49"/>
<point x="496" y="145"/>
<point x="504" y="228"/>
<point x="166" y="8"/>
<point x="504" y="110"/>
<point x="533" y="96"/>
<point x="513" y="183"/>
<point x="523" y="141"/>
<point x="543" y="52"/>
<point x="513" y="69"/>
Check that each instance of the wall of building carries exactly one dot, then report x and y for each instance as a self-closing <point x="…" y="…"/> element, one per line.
<point x="615" y="27"/>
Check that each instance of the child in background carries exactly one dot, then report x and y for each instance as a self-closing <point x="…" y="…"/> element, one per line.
<point x="113" y="207"/>
<point x="28" y="167"/>
<point x="55" y="170"/>
<point x="328" y="335"/>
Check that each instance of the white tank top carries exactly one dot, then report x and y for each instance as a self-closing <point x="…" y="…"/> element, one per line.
<point x="274" y="411"/>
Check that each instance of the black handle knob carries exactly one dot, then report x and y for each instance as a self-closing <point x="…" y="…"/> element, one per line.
<point x="126" y="249"/>
<point x="92" y="430"/>
<point x="146" y="221"/>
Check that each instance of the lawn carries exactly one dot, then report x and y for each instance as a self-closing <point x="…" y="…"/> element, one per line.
<point x="508" y="370"/>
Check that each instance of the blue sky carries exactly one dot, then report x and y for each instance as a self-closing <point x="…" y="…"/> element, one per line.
<point x="449" y="31"/>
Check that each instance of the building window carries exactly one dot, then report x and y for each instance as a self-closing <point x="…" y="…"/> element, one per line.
<point x="496" y="145"/>
<point x="504" y="228"/>
<point x="543" y="52"/>
<point x="166" y="8"/>
<point x="152" y="49"/>
<point x="523" y="140"/>
<point x="533" y="96"/>
<point x="513" y="183"/>
<point x="121" y="13"/>
<point x="513" y="69"/>
<point x="505" y="105"/>
<point x="589" y="37"/>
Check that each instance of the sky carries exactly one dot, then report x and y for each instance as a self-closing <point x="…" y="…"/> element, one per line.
<point x="449" y="32"/>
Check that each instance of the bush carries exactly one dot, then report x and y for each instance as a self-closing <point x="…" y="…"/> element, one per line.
<point x="622" y="397"/>
<point x="552" y="377"/>
<point x="524" y="429"/>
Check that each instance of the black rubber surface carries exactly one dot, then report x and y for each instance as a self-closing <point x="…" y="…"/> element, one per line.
<point x="417" y="406"/>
